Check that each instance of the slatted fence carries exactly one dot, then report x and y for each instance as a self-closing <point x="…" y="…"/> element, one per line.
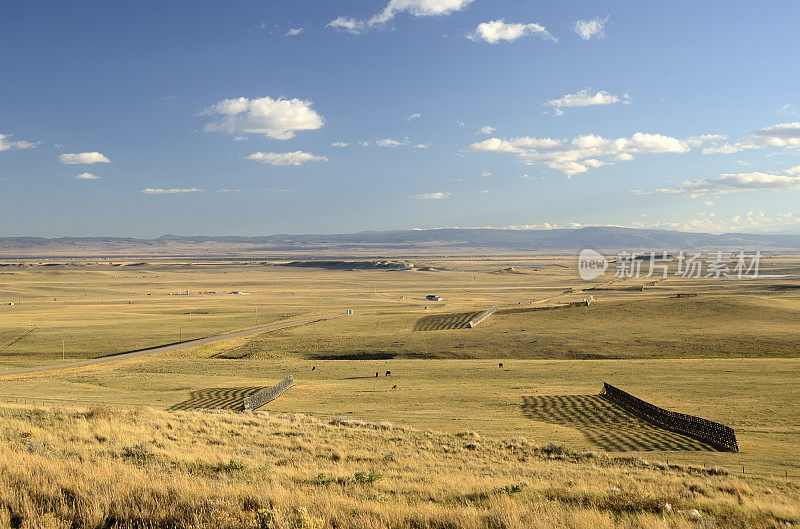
<point x="257" y="400"/>
<point x="717" y="435"/>
<point x="482" y="316"/>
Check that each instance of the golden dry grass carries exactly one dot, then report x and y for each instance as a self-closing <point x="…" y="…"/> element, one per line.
<point x="107" y="467"/>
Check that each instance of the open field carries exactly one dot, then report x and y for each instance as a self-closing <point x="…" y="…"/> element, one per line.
<point x="728" y="352"/>
<point x="757" y="397"/>
<point x="103" y="467"/>
<point x="90" y="310"/>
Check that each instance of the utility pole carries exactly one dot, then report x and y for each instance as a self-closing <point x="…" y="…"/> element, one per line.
<point x="180" y="333"/>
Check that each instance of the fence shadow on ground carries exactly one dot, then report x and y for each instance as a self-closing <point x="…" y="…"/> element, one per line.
<point x="438" y="322"/>
<point x="606" y="425"/>
<point x="217" y="399"/>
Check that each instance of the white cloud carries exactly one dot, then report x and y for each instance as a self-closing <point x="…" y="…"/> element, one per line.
<point x="732" y="183"/>
<point x="364" y="143"/>
<point x="340" y="144"/>
<point x="595" y="28"/>
<point x="786" y="135"/>
<point x="418" y="8"/>
<point x="486" y="174"/>
<point x="389" y="142"/>
<point x="697" y="141"/>
<point x="275" y="118"/>
<point x="793" y="170"/>
<point x="87" y="176"/>
<point x="731" y="148"/>
<point x="432" y="196"/>
<point x="783" y="135"/>
<point x="294" y="32"/>
<point x="582" y="98"/>
<point x="577" y="155"/>
<point x="83" y="158"/>
<point x="7" y="145"/>
<point x="286" y="158"/>
<point x="746" y="221"/>
<point x="484" y="191"/>
<point x="171" y="191"/>
<point x="487" y="130"/>
<point x="350" y="25"/>
<point x="423" y="145"/>
<point x="413" y="116"/>
<point x="226" y="190"/>
<point x="496" y="30"/>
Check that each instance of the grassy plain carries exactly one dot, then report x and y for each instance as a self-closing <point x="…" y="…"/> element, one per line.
<point x="730" y="354"/>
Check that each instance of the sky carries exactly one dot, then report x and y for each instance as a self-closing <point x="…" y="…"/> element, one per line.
<point x="289" y="116"/>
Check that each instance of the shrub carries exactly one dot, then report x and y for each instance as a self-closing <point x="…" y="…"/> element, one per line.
<point x="368" y="478"/>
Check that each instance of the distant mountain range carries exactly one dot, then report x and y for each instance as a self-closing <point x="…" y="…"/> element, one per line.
<point x="402" y="242"/>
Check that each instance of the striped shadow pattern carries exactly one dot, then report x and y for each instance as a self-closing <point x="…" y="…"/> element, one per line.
<point x="217" y="399"/>
<point x="607" y="425"/>
<point x="439" y="322"/>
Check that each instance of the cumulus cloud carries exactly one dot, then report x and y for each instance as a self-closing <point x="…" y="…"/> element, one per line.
<point x="432" y="196"/>
<point x="583" y="98"/>
<point x="495" y="31"/>
<point x="87" y="176"/>
<point x="423" y="145"/>
<point x="733" y="183"/>
<point x="339" y="144"/>
<point x="171" y="191"/>
<point x="227" y="190"/>
<point x="275" y="118"/>
<point x="589" y="29"/>
<point x="6" y="144"/>
<point x="413" y="116"/>
<point x="785" y="135"/>
<point x="793" y="170"/>
<point x="487" y="130"/>
<point x="83" y="158"/>
<point x="389" y="142"/>
<point x="294" y="32"/>
<point x="577" y="155"/>
<point x="286" y="158"/>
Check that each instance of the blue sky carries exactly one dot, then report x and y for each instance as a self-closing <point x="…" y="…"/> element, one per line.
<point x="248" y="118"/>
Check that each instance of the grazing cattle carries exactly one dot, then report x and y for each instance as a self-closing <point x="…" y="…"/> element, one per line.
<point x="376" y="374"/>
<point x="313" y="368"/>
<point x="388" y="373"/>
<point x="394" y="387"/>
<point x="500" y="364"/>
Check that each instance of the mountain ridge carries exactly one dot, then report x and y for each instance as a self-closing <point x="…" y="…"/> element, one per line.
<point x="456" y="241"/>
